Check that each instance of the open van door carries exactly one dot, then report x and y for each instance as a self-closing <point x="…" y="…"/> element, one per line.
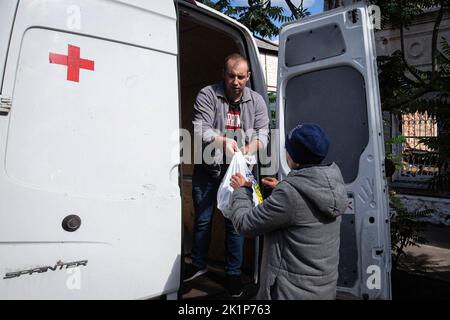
<point x="328" y="75"/>
<point x="206" y="37"/>
<point x="90" y="203"/>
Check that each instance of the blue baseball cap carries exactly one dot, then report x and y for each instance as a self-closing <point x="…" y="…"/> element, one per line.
<point x="307" y="144"/>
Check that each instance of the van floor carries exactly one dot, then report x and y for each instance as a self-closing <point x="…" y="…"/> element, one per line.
<point x="210" y="285"/>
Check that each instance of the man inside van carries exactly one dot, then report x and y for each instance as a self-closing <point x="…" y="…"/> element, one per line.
<point x="228" y="116"/>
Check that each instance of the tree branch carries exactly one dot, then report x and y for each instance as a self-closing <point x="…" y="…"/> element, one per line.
<point x="434" y="73"/>
<point x="390" y="104"/>
<point x="426" y="87"/>
<point x="293" y="8"/>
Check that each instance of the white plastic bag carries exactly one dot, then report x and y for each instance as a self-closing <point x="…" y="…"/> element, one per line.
<point x="238" y="164"/>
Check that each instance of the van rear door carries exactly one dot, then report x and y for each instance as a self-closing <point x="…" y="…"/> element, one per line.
<point x="328" y="75"/>
<point x="90" y="204"/>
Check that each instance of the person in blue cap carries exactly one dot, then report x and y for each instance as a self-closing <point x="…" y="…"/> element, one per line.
<point x="300" y="220"/>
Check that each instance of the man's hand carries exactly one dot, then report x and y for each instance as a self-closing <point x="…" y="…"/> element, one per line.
<point x="270" y="182"/>
<point x="238" y="181"/>
<point x="228" y="145"/>
<point x="244" y="149"/>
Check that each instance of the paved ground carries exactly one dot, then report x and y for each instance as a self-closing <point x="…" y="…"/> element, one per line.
<point x="424" y="273"/>
<point x="433" y="258"/>
<point x="210" y="286"/>
<point x="412" y="286"/>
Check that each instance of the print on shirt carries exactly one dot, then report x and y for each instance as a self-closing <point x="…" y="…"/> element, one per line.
<point x="233" y="120"/>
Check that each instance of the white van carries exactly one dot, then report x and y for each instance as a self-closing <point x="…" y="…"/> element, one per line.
<point x="93" y="95"/>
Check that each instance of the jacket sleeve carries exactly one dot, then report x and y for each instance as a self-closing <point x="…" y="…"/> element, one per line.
<point x="203" y="116"/>
<point x="274" y="213"/>
<point x="261" y="121"/>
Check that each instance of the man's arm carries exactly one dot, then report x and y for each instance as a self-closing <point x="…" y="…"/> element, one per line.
<point x="261" y="121"/>
<point x="203" y="116"/>
<point x="274" y="213"/>
<point x="203" y="121"/>
<point x="260" y="137"/>
<point x="229" y="145"/>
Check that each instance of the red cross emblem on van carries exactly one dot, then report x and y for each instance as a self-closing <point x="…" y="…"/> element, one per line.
<point x="73" y="62"/>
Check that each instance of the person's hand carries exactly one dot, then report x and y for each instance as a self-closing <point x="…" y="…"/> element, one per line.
<point x="238" y="180"/>
<point x="230" y="146"/>
<point x="244" y="150"/>
<point x="270" y="182"/>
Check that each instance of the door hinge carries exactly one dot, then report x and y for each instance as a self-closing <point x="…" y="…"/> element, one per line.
<point x="5" y="105"/>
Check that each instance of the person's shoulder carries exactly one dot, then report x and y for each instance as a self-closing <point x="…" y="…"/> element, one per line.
<point x="256" y="97"/>
<point x="212" y="89"/>
<point x="253" y="93"/>
<point x="283" y="186"/>
<point x="285" y="194"/>
<point x="207" y="93"/>
<point x="335" y="171"/>
<point x="208" y="88"/>
<point x="331" y="167"/>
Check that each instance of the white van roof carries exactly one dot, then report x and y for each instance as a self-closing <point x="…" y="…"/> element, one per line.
<point x="162" y="7"/>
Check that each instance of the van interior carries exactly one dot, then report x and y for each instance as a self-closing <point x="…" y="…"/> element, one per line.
<point x="204" y="45"/>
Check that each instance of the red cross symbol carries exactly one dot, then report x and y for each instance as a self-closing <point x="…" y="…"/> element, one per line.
<point x="73" y="62"/>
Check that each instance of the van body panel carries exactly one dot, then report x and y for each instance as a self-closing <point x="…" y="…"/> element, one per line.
<point x="7" y="15"/>
<point x="327" y="75"/>
<point x="90" y="134"/>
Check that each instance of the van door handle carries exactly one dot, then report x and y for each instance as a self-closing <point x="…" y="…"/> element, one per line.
<point x="71" y="223"/>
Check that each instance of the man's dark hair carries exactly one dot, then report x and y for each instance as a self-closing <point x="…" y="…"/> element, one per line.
<point x="237" y="57"/>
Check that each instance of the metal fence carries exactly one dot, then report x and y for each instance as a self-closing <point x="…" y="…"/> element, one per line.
<point x="419" y="161"/>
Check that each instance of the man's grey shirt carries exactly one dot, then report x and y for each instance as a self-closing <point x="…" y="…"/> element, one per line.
<point x="210" y="112"/>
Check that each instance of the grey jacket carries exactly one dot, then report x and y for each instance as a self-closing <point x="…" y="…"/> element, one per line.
<point x="300" y="222"/>
<point x="211" y="107"/>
